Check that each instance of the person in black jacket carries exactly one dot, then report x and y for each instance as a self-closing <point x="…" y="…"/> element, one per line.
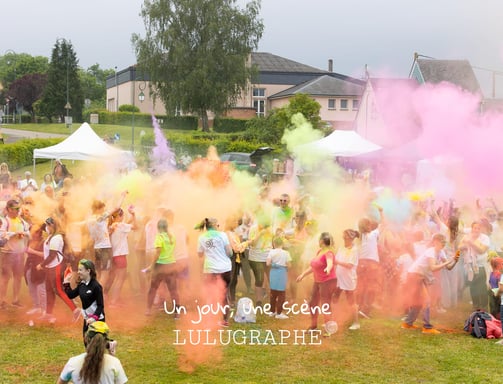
<point x="90" y="292"/>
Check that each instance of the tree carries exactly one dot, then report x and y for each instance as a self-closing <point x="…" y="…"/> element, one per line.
<point x="27" y="90"/>
<point x="196" y="52"/>
<point x="270" y="129"/>
<point x="93" y="82"/>
<point x="16" y="65"/>
<point x="63" y="84"/>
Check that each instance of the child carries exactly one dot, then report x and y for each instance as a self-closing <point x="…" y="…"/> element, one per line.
<point x="346" y="261"/>
<point x="494" y="279"/>
<point x="279" y="260"/>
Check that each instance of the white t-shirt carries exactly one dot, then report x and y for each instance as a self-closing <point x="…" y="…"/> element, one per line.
<point x="422" y="264"/>
<point x="98" y="230"/>
<point x="112" y="372"/>
<point x="368" y="246"/>
<point x="55" y="243"/>
<point x="118" y="239"/>
<point x="346" y="277"/>
<point x="213" y="243"/>
<point x="279" y="256"/>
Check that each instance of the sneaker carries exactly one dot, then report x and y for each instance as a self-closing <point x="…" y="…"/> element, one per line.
<point x="17" y="304"/>
<point x="431" y="331"/>
<point x="272" y="314"/>
<point x="312" y="328"/>
<point x="281" y="316"/>
<point x="112" y="347"/>
<point x="363" y="314"/>
<point x="354" y="326"/>
<point x="441" y="310"/>
<point x="408" y="326"/>
<point x="48" y="317"/>
<point x="148" y="312"/>
<point x="76" y="314"/>
<point x="34" y="311"/>
<point x="500" y="342"/>
<point x="223" y="323"/>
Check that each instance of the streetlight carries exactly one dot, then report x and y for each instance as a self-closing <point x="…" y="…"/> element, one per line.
<point x="10" y="61"/>
<point x="141" y="97"/>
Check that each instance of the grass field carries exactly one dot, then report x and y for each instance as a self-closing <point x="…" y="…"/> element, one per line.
<point x="380" y="352"/>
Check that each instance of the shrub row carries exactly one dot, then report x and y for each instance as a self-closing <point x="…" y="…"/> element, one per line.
<point x="186" y="123"/>
<point x="20" y="153"/>
<point x="228" y="125"/>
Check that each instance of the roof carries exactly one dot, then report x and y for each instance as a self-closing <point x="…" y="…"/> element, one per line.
<point x="324" y="85"/>
<point x="267" y="62"/>
<point x="457" y="72"/>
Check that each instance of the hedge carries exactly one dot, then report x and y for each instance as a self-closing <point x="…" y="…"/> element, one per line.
<point x="20" y="153"/>
<point x="228" y="125"/>
<point x="143" y="119"/>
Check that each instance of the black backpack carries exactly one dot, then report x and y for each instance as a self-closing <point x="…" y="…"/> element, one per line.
<point x="476" y="324"/>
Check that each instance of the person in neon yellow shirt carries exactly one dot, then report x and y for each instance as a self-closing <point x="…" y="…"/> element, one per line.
<point x="163" y="267"/>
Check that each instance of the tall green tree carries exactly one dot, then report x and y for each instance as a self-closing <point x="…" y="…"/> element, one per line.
<point x="93" y="81"/>
<point x="63" y="84"/>
<point x="16" y="65"/>
<point x="196" y="52"/>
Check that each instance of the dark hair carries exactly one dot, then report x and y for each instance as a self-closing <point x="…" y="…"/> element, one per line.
<point x="96" y="344"/>
<point x="326" y="239"/>
<point x="206" y="223"/>
<point x="351" y="233"/>
<point x="89" y="265"/>
<point x="162" y="225"/>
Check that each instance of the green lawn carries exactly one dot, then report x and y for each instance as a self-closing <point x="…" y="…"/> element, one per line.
<point x="380" y="352"/>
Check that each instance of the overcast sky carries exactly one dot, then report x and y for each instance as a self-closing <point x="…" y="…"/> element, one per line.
<point x="384" y="34"/>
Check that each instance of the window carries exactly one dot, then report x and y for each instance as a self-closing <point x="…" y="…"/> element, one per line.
<point x="356" y="104"/>
<point x="259" y="106"/>
<point x="259" y="101"/>
<point x="344" y="104"/>
<point x="258" y="92"/>
<point x="331" y="103"/>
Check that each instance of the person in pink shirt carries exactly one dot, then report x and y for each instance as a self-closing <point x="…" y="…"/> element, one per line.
<point x="322" y="266"/>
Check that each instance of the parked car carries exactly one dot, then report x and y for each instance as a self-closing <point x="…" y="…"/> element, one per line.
<point x="244" y="161"/>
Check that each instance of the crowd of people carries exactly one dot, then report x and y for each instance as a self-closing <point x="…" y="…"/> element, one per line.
<point x="426" y="262"/>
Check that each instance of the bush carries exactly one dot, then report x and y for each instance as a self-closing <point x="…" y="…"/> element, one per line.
<point x="185" y="123"/>
<point x="227" y="125"/>
<point x="20" y="154"/>
<point x="129" y="108"/>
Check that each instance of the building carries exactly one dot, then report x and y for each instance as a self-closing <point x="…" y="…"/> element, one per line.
<point x="278" y="79"/>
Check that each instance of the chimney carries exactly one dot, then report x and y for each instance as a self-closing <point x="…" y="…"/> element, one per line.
<point x="330" y="65"/>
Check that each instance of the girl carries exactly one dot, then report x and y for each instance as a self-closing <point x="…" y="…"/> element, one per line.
<point x="238" y="250"/>
<point x="163" y="267"/>
<point x="35" y="279"/>
<point x="322" y="268"/>
<point x="94" y="366"/>
<point x="279" y="260"/>
<point x="214" y="247"/>
<point x="119" y="231"/>
<point x="53" y="264"/>
<point x="346" y="262"/>
<point x="89" y="291"/>
<point x="417" y="279"/>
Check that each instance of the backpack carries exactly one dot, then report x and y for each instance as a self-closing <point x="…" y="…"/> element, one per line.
<point x="476" y="324"/>
<point x="245" y="313"/>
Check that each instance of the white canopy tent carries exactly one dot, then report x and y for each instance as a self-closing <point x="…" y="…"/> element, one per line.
<point x="342" y="144"/>
<point x="83" y="144"/>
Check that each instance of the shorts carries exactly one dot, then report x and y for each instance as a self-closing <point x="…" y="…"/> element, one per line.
<point x="119" y="262"/>
<point x="103" y="257"/>
<point x="12" y="264"/>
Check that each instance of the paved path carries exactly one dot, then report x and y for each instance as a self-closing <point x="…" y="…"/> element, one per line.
<point x="14" y="135"/>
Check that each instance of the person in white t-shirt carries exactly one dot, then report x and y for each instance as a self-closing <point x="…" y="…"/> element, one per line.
<point x="418" y="278"/>
<point x="346" y="261"/>
<point x="95" y="365"/>
<point x="214" y="247"/>
<point x="119" y="230"/>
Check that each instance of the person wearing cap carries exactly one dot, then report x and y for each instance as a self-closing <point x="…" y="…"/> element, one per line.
<point x="15" y="232"/>
<point x="28" y="185"/>
<point x="96" y="365"/>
